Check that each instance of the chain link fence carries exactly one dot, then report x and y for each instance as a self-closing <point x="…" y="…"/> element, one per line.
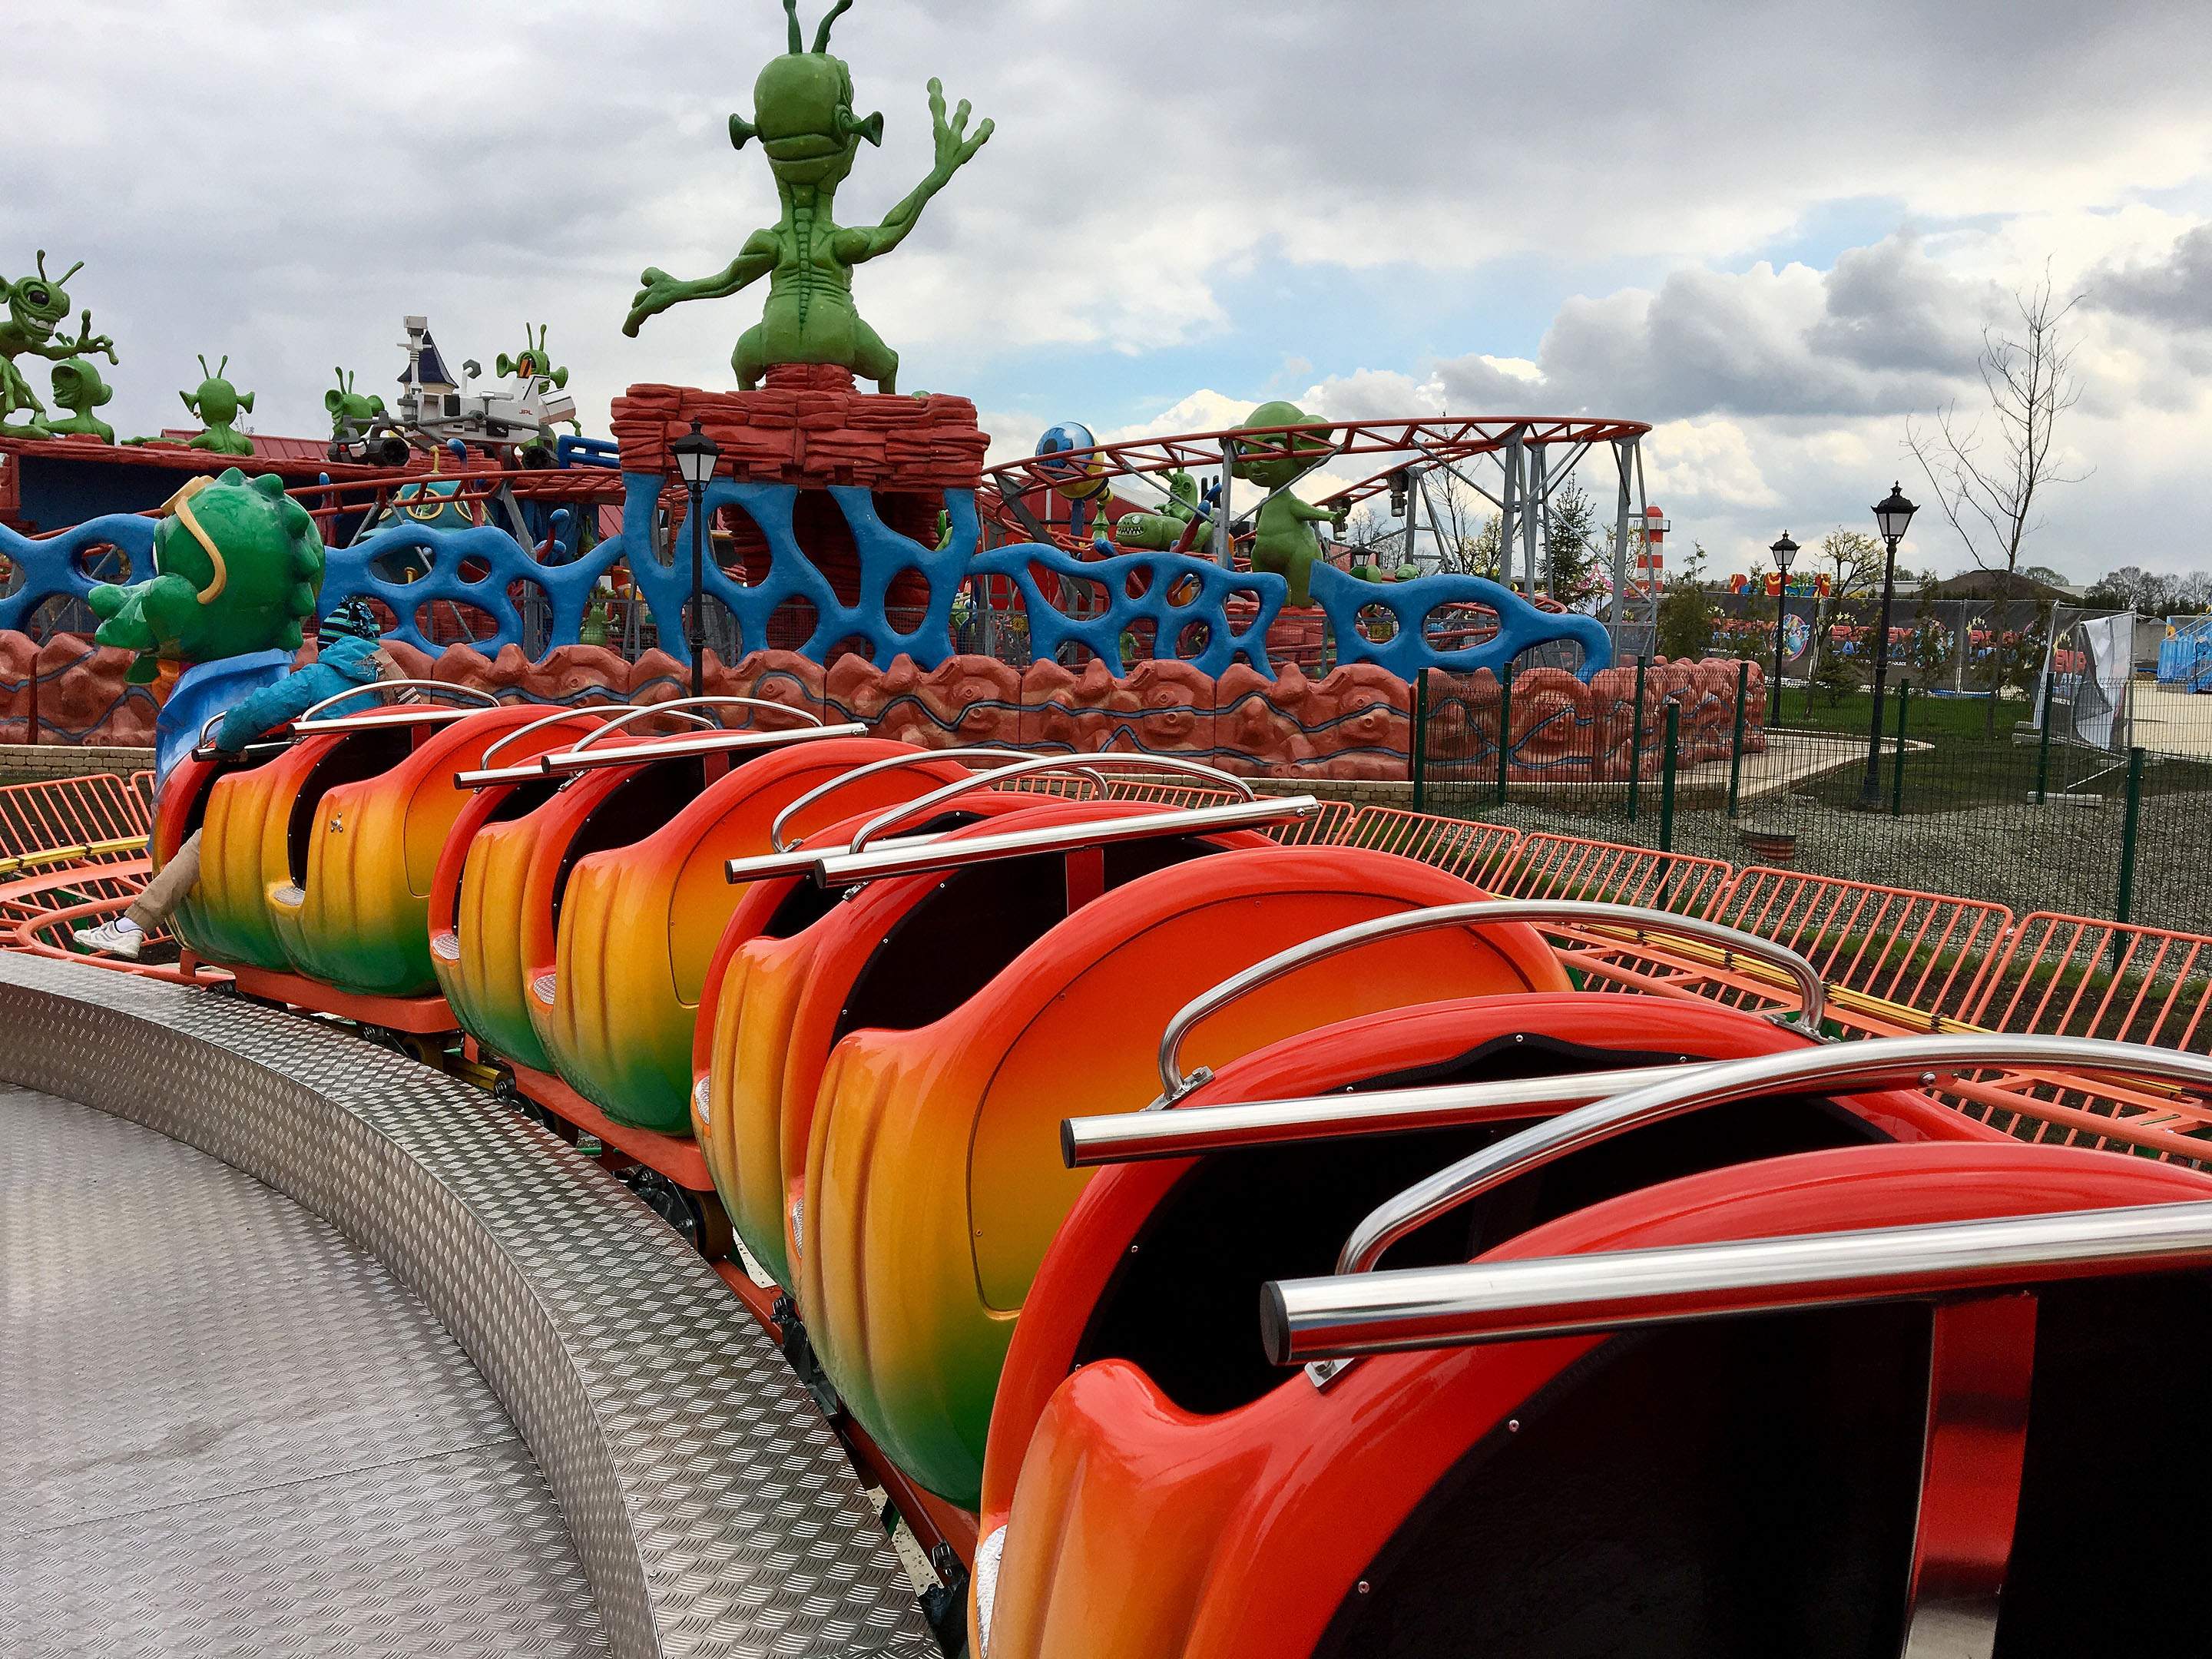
<point x="2091" y="795"/>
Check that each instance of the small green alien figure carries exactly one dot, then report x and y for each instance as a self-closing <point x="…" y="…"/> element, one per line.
<point x="1284" y="541"/>
<point x="351" y="412"/>
<point x="216" y="405"/>
<point x="239" y="564"/>
<point x="79" y="389"/>
<point x="36" y="306"/>
<point x="803" y="116"/>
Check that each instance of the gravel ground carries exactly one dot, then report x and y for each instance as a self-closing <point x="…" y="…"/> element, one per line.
<point x="2051" y="858"/>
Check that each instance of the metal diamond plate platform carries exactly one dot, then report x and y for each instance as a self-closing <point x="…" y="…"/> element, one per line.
<point x="231" y="1432"/>
<point x="711" y="1510"/>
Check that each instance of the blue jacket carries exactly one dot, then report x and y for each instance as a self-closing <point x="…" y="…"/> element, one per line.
<point x="343" y="665"/>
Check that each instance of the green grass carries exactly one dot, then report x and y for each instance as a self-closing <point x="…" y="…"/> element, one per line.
<point x="1927" y="718"/>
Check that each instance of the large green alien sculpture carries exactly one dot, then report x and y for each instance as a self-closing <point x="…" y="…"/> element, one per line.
<point x="238" y="565"/>
<point x="803" y="116"/>
<point x="36" y="306"/>
<point x="1284" y="541"/>
<point x="1162" y="530"/>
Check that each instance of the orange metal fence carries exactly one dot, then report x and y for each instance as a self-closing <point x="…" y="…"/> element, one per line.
<point x="1570" y="868"/>
<point x="1473" y="851"/>
<point x="83" y="817"/>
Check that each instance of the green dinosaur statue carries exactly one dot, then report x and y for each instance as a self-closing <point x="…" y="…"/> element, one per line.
<point x="36" y="306"/>
<point x="803" y="116"/>
<point x="1161" y="530"/>
<point x="1284" y="541"/>
<point x="79" y="389"/>
<point x="238" y="566"/>
<point x="216" y="405"/>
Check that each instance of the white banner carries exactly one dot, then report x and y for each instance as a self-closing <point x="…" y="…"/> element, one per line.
<point x="2102" y="691"/>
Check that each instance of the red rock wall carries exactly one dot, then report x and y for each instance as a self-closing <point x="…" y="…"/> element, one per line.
<point x="1352" y="723"/>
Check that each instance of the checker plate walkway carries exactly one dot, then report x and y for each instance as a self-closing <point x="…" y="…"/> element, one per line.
<point x="232" y="1431"/>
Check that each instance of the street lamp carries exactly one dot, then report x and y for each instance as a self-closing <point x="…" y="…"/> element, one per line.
<point x="1783" y="552"/>
<point x="1891" y="517"/>
<point x="696" y="454"/>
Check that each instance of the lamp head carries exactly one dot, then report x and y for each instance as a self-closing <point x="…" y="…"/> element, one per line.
<point x="1783" y="550"/>
<point x="696" y="454"/>
<point x="1893" y="514"/>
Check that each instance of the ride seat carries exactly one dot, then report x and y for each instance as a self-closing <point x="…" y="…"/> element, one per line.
<point x="899" y="953"/>
<point x="933" y="1180"/>
<point x="362" y="852"/>
<point x="1746" y="1486"/>
<point x="633" y="904"/>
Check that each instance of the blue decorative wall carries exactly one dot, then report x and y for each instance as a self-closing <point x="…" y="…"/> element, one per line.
<point x="50" y="565"/>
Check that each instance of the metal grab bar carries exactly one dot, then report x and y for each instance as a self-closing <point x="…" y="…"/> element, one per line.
<point x="923" y="805"/>
<point x="1315" y="1322"/>
<point x="1176" y="1086"/>
<point x="1136" y="1137"/>
<point x="446" y="688"/>
<point x="899" y="762"/>
<point x="675" y="705"/>
<point x="800" y="860"/>
<point x="581" y="758"/>
<point x="1876" y="1063"/>
<point x="506" y="737"/>
<point x="835" y="867"/>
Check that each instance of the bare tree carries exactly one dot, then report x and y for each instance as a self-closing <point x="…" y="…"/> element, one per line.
<point x="1467" y="539"/>
<point x="1986" y="484"/>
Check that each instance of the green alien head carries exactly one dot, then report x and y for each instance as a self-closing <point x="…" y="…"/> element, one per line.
<point x="534" y="361"/>
<point x="79" y="389"/>
<point x="37" y="304"/>
<point x="803" y="110"/>
<point x="1276" y="461"/>
<point x="238" y="566"/>
<point x="351" y="411"/>
<point x="217" y="402"/>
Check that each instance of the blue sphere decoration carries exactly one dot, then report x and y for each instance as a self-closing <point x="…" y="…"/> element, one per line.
<point x="1080" y="482"/>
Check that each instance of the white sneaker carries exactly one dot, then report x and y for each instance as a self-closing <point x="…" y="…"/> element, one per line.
<point x="113" y="939"/>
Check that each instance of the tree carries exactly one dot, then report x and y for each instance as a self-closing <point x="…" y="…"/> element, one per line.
<point x="1987" y="482"/>
<point x="1469" y="541"/>
<point x="1570" y="549"/>
<point x="1854" y="562"/>
<point x="1686" y="612"/>
<point x="2150" y="593"/>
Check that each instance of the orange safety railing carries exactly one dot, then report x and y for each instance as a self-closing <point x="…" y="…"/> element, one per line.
<point x="1570" y="868"/>
<point x="1326" y="827"/>
<point x="81" y="817"/>
<point x="1897" y="960"/>
<point x="1473" y="850"/>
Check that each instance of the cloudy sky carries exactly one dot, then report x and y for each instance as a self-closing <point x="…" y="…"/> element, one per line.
<point x="1775" y="232"/>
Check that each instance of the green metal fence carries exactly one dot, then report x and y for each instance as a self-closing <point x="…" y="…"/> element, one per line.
<point x="2012" y="800"/>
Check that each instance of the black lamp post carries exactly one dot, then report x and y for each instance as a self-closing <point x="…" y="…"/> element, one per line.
<point x="696" y="454"/>
<point x="1891" y="517"/>
<point x="1783" y="552"/>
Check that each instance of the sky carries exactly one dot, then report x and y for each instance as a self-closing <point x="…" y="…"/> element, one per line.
<point x="1775" y="232"/>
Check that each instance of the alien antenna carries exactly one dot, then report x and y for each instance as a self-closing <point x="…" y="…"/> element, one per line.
<point x="821" y="34"/>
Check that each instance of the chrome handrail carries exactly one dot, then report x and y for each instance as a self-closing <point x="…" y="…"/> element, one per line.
<point x="1136" y="1137"/>
<point x="582" y="758"/>
<point x="898" y="763"/>
<point x="924" y="805"/>
<point x="906" y="856"/>
<point x="1326" y="1322"/>
<point x="1476" y="913"/>
<point x="638" y="711"/>
<point x="1875" y="1063"/>
<point x="447" y="687"/>
<point x="505" y="738"/>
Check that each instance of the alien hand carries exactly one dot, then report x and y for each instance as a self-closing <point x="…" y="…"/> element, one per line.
<point x="660" y="291"/>
<point x="954" y="149"/>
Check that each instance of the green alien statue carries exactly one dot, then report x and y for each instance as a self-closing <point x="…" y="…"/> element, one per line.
<point x="1284" y="541"/>
<point x="79" y="389"/>
<point x="803" y="116"/>
<point x="238" y="563"/>
<point x="36" y="306"/>
<point x="352" y="413"/>
<point x="216" y="404"/>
